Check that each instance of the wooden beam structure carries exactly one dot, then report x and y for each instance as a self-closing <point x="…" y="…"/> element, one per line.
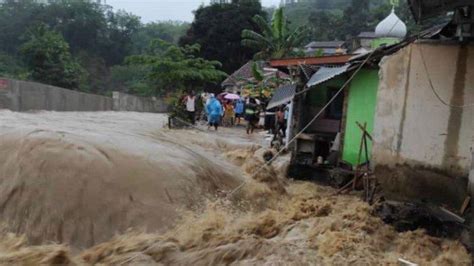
<point x="320" y="60"/>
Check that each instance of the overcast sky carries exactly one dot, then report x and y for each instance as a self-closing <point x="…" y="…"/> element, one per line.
<point x="154" y="10"/>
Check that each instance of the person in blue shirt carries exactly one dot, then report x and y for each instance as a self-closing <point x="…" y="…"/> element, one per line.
<point x="239" y="110"/>
<point x="214" y="111"/>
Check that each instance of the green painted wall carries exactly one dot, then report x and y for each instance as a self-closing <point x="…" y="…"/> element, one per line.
<point x="388" y="41"/>
<point x="361" y="108"/>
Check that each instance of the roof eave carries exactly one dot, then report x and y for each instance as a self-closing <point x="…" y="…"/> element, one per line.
<point x="319" y="60"/>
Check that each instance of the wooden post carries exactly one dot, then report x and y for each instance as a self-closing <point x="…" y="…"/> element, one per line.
<point x="359" y="157"/>
<point x="344" y="122"/>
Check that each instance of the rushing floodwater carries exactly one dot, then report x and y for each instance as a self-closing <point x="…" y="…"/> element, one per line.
<point x="82" y="178"/>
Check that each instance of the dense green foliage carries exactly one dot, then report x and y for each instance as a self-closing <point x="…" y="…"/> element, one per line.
<point x="276" y="40"/>
<point x="170" y="31"/>
<point x="217" y="28"/>
<point x="169" y="68"/>
<point x="48" y="59"/>
<point x="88" y="39"/>
<point x="12" y="67"/>
<point x="82" y="45"/>
<point x="85" y="26"/>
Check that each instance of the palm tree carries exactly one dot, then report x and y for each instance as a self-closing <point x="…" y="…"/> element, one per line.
<point x="275" y="41"/>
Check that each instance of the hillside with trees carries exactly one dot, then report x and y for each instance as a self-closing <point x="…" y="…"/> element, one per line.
<point x="73" y="44"/>
<point x="341" y="19"/>
<point x="90" y="47"/>
<point x="217" y="29"/>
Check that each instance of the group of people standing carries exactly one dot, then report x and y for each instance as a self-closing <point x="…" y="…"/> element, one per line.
<point x="220" y="111"/>
<point x="215" y="111"/>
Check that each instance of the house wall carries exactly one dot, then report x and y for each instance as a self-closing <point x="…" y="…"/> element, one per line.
<point x="422" y="147"/>
<point x="362" y="98"/>
<point x="376" y="43"/>
<point x="317" y="98"/>
<point x="366" y="43"/>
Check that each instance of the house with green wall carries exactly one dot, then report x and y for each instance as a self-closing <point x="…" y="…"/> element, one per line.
<point x="334" y="97"/>
<point x="338" y="121"/>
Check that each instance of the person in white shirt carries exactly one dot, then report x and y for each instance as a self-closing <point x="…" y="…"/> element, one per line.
<point x="190" y="102"/>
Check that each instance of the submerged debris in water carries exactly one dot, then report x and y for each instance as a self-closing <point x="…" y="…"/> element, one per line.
<point x="436" y="221"/>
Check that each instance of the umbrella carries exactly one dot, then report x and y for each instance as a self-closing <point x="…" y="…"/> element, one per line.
<point x="231" y="96"/>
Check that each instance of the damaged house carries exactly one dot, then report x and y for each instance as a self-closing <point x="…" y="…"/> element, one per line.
<point x="414" y="96"/>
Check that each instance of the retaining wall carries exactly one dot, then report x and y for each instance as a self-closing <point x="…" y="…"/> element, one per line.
<point x="28" y="96"/>
<point x="126" y="102"/>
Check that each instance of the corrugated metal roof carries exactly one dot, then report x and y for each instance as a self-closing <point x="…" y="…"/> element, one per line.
<point x="327" y="73"/>
<point x="367" y="34"/>
<point x="282" y="95"/>
<point x="326" y="44"/>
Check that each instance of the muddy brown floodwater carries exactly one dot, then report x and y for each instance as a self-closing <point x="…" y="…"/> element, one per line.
<point x="117" y="188"/>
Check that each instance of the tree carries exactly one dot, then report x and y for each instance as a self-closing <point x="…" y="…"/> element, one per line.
<point x="122" y="26"/>
<point x="81" y="23"/>
<point x="357" y="17"/>
<point x="276" y="41"/>
<point x="326" y="25"/>
<point x="217" y="29"/>
<point x="89" y="26"/>
<point x="172" y="68"/>
<point x="170" y="31"/>
<point x="15" y="18"/>
<point x="132" y="79"/>
<point x="12" y="67"/>
<point x="261" y="84"/>
<point x="49" y="60"/>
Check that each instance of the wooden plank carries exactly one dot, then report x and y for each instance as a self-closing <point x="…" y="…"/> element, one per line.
<point x="344" y="122"/>
<point x="365" y="130"/>
<point x="319" y="60"/>
<point x="465" y="205"/>
<point x="359" y="158"/>
<point x="452" y="215"/>
<point x="406" y="262"/>
<point x="305" y="136"/>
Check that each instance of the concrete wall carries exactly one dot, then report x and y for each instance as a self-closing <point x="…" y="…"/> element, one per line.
<point x="126" y="102"/>
<point x="26" y="96"/>
<point x="425" y="144"/>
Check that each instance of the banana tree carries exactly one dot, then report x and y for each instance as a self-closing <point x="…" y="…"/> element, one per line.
<point x="275" y="40"/>
<point x="263" y="85"/>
